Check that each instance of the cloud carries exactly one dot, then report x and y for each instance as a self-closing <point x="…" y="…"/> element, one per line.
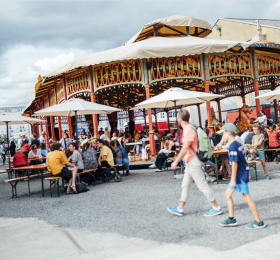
<point x="48" y="64"/>
<point x="40" y="35"/>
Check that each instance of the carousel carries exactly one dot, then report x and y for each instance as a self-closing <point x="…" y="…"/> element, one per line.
<point x="166" y="53"/>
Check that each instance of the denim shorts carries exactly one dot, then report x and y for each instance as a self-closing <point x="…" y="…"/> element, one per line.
<point x="261" y="155"/>
<point x="242" y="187"/>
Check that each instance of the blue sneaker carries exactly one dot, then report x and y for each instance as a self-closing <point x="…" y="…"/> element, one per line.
<point x="213" y="212"/>
<point x="229" y="222"/>
<point x="175" y="211"/>
<point x="256" y="225"/>
<point x="267" y="177"/>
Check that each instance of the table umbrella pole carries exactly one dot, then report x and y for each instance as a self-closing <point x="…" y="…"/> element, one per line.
<point x="8" y="145"/>
<point x="178" y="130"/>
<point x="76" y="127"/>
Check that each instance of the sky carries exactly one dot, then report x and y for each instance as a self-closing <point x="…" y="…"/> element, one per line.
<point x="39" y="36"/>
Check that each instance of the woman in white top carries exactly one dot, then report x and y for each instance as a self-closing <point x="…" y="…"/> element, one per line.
<point x="34" y="152"/>
<point x="262" y="119"/>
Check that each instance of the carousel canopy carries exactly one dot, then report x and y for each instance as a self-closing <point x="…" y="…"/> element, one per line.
<point x="156" y="47"/>
<point x="173" y="26"/>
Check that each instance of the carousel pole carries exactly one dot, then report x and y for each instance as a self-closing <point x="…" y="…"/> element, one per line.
<point x="41" y="124"/>
<point x="168" y="119"/>
<point x="207" y="90"/>
<point x="178" y="130"/>
<point x="58" y="118"/>
<point x="144" y="112"/>
<point x="94" y="118"/>
<point x="155" y="113"/>
<point x="198" y="111"/>
<point x="242" y="91"/>
<point x="275" y="101"/>
<point x="51" y="117"/>
<point x="93" y="100"/>
<point x="151" y="130"/>
<point x="256" y="83"/>
<point x="68" y="117"/>
<point x="219" y="105"/>
<point x="76" y="127"/>
<point x="199" y="114"/>
<point x="46" y="120"/>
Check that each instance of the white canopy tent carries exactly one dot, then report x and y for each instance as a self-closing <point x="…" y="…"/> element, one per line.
<point x="177" y="96"/>
<point x="75" y="107"/>
<point x="275" y="94"/>
<point x="13" y="119"/>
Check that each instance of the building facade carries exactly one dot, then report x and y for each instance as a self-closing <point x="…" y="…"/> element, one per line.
<point x="15" y="130"/>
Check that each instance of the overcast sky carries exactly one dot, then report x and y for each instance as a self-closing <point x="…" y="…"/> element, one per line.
<point x="38" y="36"/>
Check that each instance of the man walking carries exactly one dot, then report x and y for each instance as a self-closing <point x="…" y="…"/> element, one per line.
<point x="193" y="170"/>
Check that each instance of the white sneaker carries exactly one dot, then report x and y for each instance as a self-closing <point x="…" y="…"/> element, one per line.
<point x="158" y="170"/>
<point x="210" y="179"/>
<point x="153" y="166"/>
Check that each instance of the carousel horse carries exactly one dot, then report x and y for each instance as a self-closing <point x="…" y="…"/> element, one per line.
<point x="217" y="125"/>
<point x="244" y="120"/>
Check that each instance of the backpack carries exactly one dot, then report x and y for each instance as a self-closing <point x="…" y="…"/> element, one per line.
<point x="204" y="152"/>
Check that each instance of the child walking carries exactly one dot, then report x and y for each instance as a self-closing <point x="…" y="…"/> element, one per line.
<point x="239" y="178"/>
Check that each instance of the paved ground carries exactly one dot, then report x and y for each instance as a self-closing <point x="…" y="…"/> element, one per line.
<point x="130" y="218"/>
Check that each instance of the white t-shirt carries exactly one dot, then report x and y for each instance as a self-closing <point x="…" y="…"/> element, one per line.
<point x="104" y="137"/>
<point x="262" y="120"/>
<point x="42" y="139"/>
<point x="243" y="136"/>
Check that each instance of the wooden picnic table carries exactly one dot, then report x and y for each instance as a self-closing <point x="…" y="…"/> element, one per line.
<point x="216" y="154"/>
<point x="37" y="167"/>
<point x="36" y="158"/>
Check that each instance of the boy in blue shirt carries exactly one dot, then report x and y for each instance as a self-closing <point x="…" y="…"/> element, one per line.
<point x="239" y="178"/>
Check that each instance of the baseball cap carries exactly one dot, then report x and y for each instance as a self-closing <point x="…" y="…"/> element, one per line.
<point x="227" y="127"/>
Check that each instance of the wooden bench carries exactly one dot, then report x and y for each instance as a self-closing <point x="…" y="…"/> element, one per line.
<point x="91" y="172"/>
<point x="277" y="150"/>
<point x="253" y="164"/>
<point x="54" y="182"/>
<point x="15" y="181"/>
<point x="172" y="159"/>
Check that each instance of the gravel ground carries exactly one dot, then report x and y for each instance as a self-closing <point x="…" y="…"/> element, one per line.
<point x="136" y="207"/>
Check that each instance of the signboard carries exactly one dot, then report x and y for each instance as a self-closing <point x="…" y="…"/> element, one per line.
<point x="103" y="117"/>
<point x="122" y="115"/>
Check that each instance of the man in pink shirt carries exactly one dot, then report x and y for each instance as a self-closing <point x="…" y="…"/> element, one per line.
<point x="194" y="170"/>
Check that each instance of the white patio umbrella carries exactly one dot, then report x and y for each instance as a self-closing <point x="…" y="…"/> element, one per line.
<point x="275" y="94"/>
<point x="74" y="107"/>
<point x="13" y="119"/>
<point x="177" y="96"/>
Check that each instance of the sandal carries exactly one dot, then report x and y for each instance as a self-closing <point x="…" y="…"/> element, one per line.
<point x="68" y="191"/>
<point x="73" y="189"/>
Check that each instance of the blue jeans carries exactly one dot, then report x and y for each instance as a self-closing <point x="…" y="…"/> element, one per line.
<point x="125" y="162"/>
<point x="118" y="160"/>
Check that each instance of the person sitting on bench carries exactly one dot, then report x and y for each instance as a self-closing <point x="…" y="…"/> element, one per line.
<point x="163" y="154"/>
<point x="106" y="158"/>
<point x="20" y="160"/>
<point x="60" y="167"/>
